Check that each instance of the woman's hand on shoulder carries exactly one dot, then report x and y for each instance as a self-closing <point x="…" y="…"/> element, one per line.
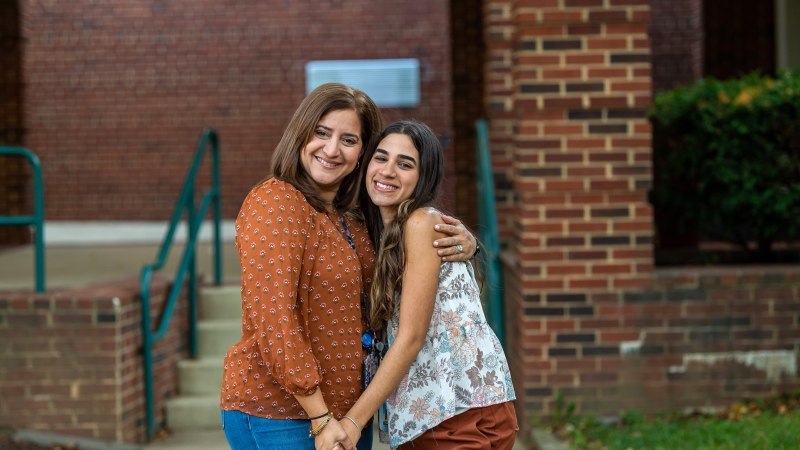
<point x="457" y="235"/>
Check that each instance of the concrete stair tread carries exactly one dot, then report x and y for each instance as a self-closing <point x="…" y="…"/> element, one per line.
<point x="193" y="412"/>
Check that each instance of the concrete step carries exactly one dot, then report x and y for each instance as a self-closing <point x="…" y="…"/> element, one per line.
<point x="200" y="376"/>
<point x="193" y="413"/>
<point x="214" y="337"/>
<point x="221" y="302"/>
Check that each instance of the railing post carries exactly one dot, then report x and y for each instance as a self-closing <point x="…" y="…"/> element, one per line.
<point x="489" y="232"/>
<point x="191" y="241"/>
<point x="217" y="210"/>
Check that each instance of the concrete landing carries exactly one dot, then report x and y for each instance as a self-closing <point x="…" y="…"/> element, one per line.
<point x="71" y="266"/>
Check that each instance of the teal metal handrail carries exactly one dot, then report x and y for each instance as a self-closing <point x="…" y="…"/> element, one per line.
<point x="37" y="219"/>
<point x="488" y="232"/>
<point x="187" y="266"/>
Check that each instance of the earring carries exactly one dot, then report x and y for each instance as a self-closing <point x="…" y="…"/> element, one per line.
<point x="358" y="163"/>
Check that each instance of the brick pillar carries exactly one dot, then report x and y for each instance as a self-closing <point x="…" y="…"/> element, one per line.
<point x="581" y="171"/>
<point x="499" y="92"/>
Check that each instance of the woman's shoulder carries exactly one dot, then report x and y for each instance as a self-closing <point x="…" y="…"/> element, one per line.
<point x="422" y="221"/>
<point x="273" y="192"/>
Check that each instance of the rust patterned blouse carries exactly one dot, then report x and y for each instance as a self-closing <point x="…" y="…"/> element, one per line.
<point x="301" y="306"/>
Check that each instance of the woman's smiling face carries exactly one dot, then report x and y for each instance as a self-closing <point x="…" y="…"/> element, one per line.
<point x="392" y="173"/>
<point x="334" y="149"/>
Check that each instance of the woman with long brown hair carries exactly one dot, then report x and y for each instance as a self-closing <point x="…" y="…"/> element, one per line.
<point x="445" y="375"/>
<point x="307" y="260"/>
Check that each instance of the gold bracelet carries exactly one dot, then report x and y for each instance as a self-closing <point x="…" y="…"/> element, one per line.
<point x="315" y="431"/>
<point x="354" y="422"/>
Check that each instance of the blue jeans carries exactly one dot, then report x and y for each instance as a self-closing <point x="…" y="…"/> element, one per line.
<point x="246" y="432"/>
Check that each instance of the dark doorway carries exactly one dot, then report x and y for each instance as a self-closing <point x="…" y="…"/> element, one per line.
<point x="467" y="56"/>
<point x="14" y="172"/>
<point x="739" y="37"/>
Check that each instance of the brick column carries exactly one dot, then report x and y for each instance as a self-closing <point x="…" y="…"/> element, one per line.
<point x="499" y="91"/>
<point x="581" y="171"/>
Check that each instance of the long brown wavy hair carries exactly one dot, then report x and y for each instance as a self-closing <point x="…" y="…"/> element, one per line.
<point x="389" y="240"/>
<point x="286" y="165"/>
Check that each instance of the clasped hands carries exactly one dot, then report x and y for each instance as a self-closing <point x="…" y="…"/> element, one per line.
<point x="338" y="436"/>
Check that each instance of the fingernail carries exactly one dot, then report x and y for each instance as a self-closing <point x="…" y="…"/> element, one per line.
<point x="435" y="243"/>
<point x="436" y="226"/>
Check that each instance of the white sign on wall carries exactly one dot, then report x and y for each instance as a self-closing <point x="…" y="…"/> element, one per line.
<point x="389" y="82"/>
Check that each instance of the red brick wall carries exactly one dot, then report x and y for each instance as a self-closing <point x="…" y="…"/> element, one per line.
<point x="14" y="172"/>
<point x="117" y="93"/>
<point x="499" y="38"/>
<point x="71" y="361"/>
<point x="688" y="317"/>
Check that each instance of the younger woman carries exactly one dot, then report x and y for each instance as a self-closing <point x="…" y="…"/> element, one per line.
<point x="445" y="374"/>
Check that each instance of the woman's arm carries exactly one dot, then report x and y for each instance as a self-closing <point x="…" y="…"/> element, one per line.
<point x="420" y="282"/>
<point x="459" y="235"/>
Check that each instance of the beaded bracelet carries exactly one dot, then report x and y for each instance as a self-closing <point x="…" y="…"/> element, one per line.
<point x="312" y="432"/>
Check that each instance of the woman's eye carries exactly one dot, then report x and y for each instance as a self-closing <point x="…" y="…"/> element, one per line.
<point x="350" y="141"/>
<point x="321" y="133"/>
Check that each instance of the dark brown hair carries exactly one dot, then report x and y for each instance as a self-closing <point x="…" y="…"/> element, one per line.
<point x="389" y="240"/>
<point x="286" y="165"/>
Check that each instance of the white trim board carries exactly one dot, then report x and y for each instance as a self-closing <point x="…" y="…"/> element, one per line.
<point x="58" y="232"/>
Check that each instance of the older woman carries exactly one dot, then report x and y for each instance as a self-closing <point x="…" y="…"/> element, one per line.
<point x="307" y="261"/>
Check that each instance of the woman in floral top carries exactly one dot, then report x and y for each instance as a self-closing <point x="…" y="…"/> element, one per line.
<point x="445" y="375"/>
<point x="306" y="262"/>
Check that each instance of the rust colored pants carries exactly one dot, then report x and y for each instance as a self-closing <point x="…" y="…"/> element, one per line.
<point x="490" y="428"/>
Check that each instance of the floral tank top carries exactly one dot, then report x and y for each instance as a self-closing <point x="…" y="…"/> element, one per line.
<point x="460" y="367"/>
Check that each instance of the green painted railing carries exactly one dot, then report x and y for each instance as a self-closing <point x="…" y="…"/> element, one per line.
<point x="488" y="233"/>
<point x="37" y="219"/>
<point x="186" y="267"/>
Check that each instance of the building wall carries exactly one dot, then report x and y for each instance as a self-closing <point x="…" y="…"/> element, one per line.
<point x="568" y="85"/>
<point x="118" y="92"/>
<point x="71" y="361"/>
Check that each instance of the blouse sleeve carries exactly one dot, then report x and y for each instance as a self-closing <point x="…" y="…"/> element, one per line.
<point x="272" y="233"/>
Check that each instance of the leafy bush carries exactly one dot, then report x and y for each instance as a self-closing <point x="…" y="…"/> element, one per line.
<point x="727" y="161"/>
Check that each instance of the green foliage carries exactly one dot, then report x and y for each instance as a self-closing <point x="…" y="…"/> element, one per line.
<point x="758" y="424"/>
<point x="727" y="160"/>
<point x="764" y="431"/>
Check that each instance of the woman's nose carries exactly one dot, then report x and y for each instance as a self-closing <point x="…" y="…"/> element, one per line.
<point x="331" y="148"/>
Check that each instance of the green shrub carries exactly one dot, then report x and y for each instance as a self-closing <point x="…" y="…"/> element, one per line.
<point x="727" y="161"/>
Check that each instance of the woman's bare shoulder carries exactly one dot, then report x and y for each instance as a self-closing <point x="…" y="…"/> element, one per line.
<point x="421" y="222"/>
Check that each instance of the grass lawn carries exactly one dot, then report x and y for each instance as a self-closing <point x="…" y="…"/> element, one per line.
<point x="772" y="424"/>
